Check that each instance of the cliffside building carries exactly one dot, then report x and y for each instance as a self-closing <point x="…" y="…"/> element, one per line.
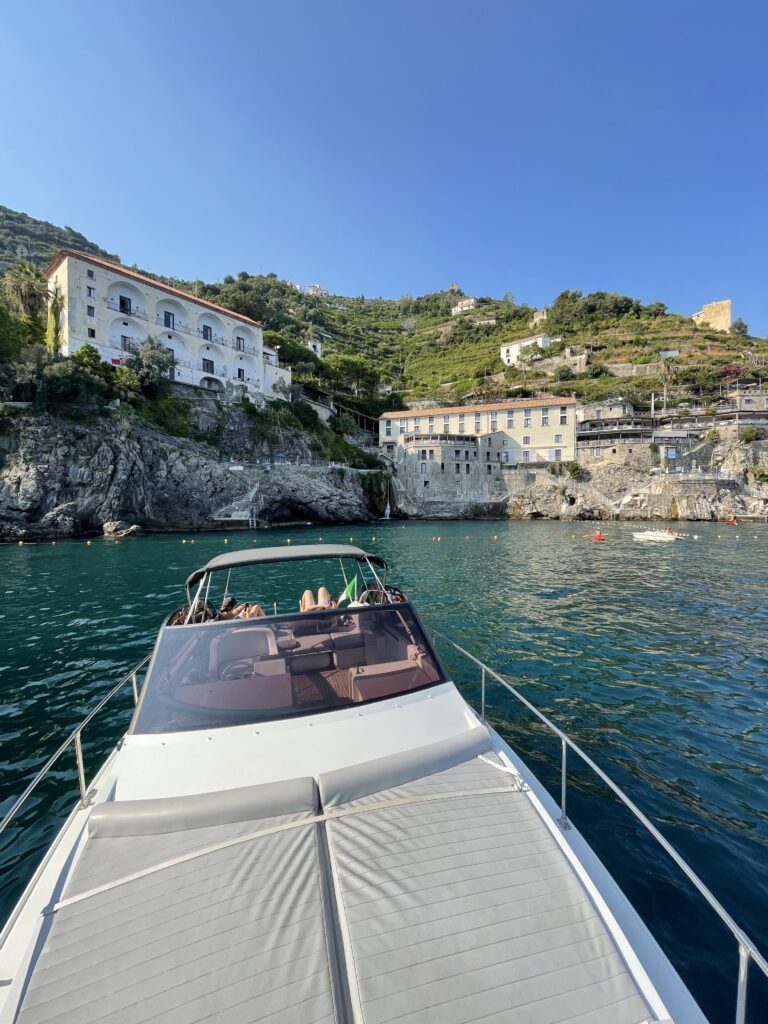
<point x="462" y="306"/>
<point x="511" y="351"/>
<point x="506" y="433"/>
<point x="115" y="309"/>
<point x="716" y="314"/>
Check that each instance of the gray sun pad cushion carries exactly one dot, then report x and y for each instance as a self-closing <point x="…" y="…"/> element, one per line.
<point x="360" y="780"/>
<point x="238" y="935"/>
<point x="466" y="909"/>
<point x="173" y="814"/>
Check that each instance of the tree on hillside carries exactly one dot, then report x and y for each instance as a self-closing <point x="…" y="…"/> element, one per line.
<point x="12" y="337"/>
<point x="88" y="361"/>
<point x="353" y="372"/>
<point x="53" y="327"/>
<point x="739" y="327"/>
<point x="563" y="372"/>
<point x="654" y="310"/>
<point x="25" y="289"/>
<point x="151" y="363"/>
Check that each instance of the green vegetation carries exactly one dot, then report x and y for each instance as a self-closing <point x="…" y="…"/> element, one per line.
<point x="749" y="434"/>
<point x="40" y="241"/>
<point x="413" y="345"/>
<point x="760" y="473"/>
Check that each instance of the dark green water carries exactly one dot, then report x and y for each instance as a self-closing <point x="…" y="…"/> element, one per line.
<point x="653" y="658"/>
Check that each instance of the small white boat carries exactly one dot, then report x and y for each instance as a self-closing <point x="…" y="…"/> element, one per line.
<point x="306" y="821"/>
<point x="656" y="536"/>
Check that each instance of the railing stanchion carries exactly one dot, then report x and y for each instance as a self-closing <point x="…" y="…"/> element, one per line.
<point x="80" y="767"/>
<point x="741" y="992"/>
<point x="564" y="823"/>
<point x="482" y="695"/>
<point x="135" y="687"/>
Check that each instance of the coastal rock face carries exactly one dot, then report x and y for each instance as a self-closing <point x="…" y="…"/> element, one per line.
<point x="60" y="479"/>
<point x="720" y="479"/>
<point x="120" y="528"/>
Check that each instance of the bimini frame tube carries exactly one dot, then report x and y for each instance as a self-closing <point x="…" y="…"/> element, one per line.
<point x="193" y="604"/>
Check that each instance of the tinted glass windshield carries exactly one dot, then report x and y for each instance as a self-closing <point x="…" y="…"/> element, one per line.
<point x="229" y="673"/>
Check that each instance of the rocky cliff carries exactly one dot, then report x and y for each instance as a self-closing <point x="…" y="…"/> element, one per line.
<point x="59" y="478"/>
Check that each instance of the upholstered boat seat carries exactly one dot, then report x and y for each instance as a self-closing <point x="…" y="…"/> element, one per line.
<point x="386" y="677"/>
<point x="243" y="642"/>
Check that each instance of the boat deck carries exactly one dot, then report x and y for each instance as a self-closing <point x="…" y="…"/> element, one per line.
<point x="423" y="886"/>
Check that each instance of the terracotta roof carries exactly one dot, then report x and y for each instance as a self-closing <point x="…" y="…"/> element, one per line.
<point x="98" y="262"/>
<point x="522" y="403"/>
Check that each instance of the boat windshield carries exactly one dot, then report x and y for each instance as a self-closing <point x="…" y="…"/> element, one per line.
<point x="228" y="673"/>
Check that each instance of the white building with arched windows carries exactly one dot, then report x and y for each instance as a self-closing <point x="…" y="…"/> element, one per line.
<point x="114" y="309"/>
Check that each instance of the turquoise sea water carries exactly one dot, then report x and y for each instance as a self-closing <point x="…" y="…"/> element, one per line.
<point x="654" y="658"/>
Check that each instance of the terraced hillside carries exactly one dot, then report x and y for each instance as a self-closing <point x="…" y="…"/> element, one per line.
<point x="418" y="349"/>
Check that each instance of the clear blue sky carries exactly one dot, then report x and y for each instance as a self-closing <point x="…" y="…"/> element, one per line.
<point x="396" y="147"/>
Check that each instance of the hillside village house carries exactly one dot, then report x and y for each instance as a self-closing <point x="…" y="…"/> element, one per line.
<point x="511" y="350"/>
<point x="462" y="306"/>
<point x="115" y="309"/>
<point x="505" y="433"/>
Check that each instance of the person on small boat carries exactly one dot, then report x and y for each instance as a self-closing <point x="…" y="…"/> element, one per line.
<point x="309" y="604"/>
<point x="232" y="609"/>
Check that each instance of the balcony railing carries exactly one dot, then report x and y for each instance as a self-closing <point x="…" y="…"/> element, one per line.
<point x="177" y="325"/>
<point x="217" y="339"/>
<point x="134" y="311"/>
<point x="225" y="373"/>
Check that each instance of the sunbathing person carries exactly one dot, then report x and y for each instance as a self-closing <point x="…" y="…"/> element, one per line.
<point x="232" y="609"/>
<point x="309" y="604"/>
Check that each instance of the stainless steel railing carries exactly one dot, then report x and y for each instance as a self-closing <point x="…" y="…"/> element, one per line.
<point x="748" y="951"/>
<point x="75" y="740"/>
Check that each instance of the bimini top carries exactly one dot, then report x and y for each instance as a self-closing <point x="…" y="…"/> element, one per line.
<point x="234" y="559"/>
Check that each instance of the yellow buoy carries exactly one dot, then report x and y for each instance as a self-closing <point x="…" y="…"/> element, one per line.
<point x="87" y="542"/>
<point x="288" y="541"/>
<point x="183" y="542"/>
<point x="21" y="543"/>
<point x="226" y="541"/>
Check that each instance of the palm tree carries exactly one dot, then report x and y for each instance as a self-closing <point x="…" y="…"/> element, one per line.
<point x="25" y="289"/>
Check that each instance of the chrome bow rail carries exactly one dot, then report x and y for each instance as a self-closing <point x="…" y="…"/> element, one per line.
<point x="748" y="951"/>
<point x="75" y="739"/>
